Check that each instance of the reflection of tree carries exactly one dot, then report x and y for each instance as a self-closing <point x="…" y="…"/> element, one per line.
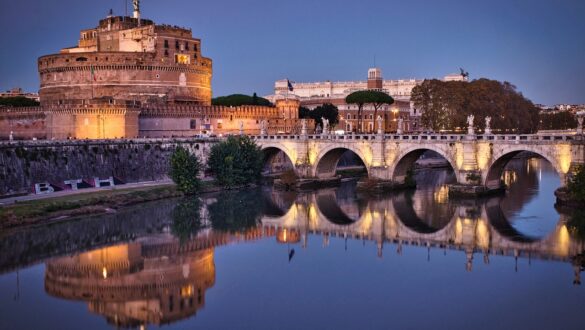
<point x="576" y="224"/>
<point x="236" y="211"/>
<point x="186" y="218"/>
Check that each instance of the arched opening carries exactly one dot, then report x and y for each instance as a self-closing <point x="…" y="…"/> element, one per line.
<point x="341" y="206"/>
<point x="426" y="168"/>
<point x="530" y="181"/>
<point x="276" y="162"/>
<point x="277" y="204"/>
<point x="424" y="211"/>
<point x="340" y="161"/>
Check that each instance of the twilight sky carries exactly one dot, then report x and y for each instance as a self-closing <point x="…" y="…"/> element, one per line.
<point x="538" y="45"/>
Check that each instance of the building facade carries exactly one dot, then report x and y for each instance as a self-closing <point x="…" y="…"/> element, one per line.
<point x="129" y="77"/>
<point x="313" y="94"/>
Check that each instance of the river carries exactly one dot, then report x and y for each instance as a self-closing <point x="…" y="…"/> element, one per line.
<point x="331" y="259"/>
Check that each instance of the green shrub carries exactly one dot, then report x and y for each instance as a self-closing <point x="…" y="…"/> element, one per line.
<point x="236" y="161"/>
<point x="576" y="184"/>
<point x="184" y="170"/>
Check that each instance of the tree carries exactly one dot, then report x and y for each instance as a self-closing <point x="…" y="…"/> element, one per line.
<point x="305" y="113"/>
<point x="327" y="111"/>
<point x="559" y="120"/>
<point x="18" y="101"/>
<point x="236" y="161"/>
<point x="445" y="105"/>
<point x="576" y="184"/>
<point x="236" y="100"/>
<point x="184" y="171"/>
<point x="360" y="98"/>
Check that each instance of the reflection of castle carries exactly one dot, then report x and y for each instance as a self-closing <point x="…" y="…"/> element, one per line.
<point x="155" y="280"/>
<point x="130" y="289"/>
<point x="129" y="77"/>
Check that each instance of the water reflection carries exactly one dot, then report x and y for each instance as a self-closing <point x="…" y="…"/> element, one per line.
<point x="155" y="264"/>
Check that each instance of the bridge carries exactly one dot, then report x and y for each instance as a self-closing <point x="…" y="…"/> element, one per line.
<point x="478" y="160"/>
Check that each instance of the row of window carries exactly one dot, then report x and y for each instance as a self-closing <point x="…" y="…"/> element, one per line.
<point x="180" y="46"/>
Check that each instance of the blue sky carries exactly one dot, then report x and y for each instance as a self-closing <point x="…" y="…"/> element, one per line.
<point x="537" y="45"/>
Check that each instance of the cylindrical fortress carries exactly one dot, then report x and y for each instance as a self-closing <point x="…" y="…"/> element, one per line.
<point x="124" y="60"/>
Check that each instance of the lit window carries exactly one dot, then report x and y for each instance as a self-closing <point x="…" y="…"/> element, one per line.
<point x="182" y="59"/>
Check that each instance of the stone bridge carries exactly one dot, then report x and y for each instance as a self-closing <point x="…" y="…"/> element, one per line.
<point x="473" y="226"/>
<point x="477" y="160"/>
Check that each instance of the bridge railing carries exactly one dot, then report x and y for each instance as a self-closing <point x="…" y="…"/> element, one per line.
<point x="505" y="138"/>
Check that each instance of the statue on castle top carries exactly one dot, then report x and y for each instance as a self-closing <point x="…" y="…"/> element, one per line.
<point x="136" y="4"/>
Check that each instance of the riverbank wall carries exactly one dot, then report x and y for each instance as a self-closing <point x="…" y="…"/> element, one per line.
<point x="45" y="166"/>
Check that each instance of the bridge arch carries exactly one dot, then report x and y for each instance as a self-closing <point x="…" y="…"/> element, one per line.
<point x="492" y="175"/>
<point x="328" y="158"/>
<point x="406" y="159"/>
<point x="271" y="151"/>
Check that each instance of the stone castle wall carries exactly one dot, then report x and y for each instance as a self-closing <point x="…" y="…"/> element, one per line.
<point x="143" y="77"/>
<point x="24" y="164"/>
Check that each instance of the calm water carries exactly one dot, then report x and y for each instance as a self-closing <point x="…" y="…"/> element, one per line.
<point x="328" y="260"/>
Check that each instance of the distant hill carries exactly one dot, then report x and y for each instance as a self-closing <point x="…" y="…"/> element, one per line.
<point x="236" y="100"/>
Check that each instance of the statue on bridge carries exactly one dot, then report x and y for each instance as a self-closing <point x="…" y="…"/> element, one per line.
<point x="380" y="129"/>
<point x="303" y="127"/>
<point x="325" y="122"/>
<point x="488" y="129"/>
<point x="241" y="127"/>
<point x="263" y="127"/>
<point x="470" y="129"/>
<point x="580" y="116"/>
<point x="400" y="128"/>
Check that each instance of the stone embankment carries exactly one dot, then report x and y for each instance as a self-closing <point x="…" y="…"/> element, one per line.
<point x="25" y="164"/>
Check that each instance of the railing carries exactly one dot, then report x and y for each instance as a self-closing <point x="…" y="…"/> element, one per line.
<point x="424" y="137"/>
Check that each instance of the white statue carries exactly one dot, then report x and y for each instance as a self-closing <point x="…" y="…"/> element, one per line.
<point x="380" y="129"/>
<point x="11" y="136"/>
<point x="470" y="130"/>
<point x="241" y="127"/>
<point x="263" y="127"/>
<point x="303" y="127"/>
<point x="325" y="126"/>
<point x="400" y="129"/>
<point x="488" y="129"/>
<point x="580" y="115"/>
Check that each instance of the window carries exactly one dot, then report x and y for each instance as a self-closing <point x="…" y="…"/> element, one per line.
<point x="186" y="46"/>
<point x="219" y="126"/>
<point x="193" y="124"/>
<point x="166" y="52"/>
<point x="348" y="116"/>
<point x="182" y="59"/>
<point x="176" y="44"/>
<point x="166" y="44"/>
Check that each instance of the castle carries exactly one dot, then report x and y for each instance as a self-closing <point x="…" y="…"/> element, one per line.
<point x="129" y="77"/>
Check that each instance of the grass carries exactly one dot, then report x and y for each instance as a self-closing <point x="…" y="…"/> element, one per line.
<point x="29" y="212"/>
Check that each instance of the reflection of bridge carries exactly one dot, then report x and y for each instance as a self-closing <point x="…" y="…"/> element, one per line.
<point x="389" y="157"/>
<point x="476" y="227"/>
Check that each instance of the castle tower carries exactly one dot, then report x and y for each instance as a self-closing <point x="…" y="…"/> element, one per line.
<point x="375" y="78"/>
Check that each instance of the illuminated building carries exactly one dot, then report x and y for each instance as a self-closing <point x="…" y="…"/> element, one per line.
<point x="130" y="77"/>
